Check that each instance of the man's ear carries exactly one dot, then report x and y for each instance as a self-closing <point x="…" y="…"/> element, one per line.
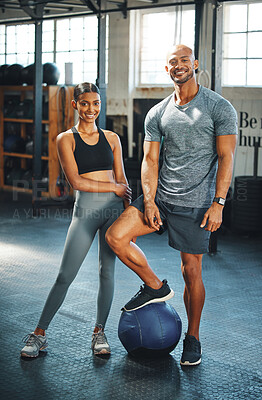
<point x="196" y="64"/>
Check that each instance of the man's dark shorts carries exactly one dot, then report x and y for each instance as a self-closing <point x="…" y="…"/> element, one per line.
<point x="183" y="225"/>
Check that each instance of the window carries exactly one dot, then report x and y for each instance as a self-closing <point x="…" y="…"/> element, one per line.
<point x="242" y="52"/>
<point x="2" y="44"/>
<point x="48" y="42"/>
<point x="159" y="31"/>
<point x="76" y="42"/>
<point x="19" y="44"/>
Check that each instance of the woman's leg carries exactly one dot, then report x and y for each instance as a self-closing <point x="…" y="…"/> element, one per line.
<point x="105" y="294"/>
<point x="79" y="239"/>
<point x="106" y="277"/>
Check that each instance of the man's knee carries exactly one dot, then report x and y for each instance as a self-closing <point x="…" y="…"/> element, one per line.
<point x="129" y="225"/>
<point x="113" y="238"/>
<point x="191" y="267"/>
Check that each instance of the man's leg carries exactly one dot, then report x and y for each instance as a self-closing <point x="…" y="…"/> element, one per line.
<point x="194" y="298"/>
<point x="194" y="293"/>
<point x="119" y="237"/>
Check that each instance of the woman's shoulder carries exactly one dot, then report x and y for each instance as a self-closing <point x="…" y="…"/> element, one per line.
<point x="65" y="140"/>
<point x="65" y="136"/>
<point x="111" y="136"/>
<point x="109" y="133"/>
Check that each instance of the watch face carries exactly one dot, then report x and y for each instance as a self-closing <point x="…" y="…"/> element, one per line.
<point x="220" y="200"/>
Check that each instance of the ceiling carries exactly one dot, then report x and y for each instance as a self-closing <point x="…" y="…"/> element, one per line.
<point x="15" y="11"/>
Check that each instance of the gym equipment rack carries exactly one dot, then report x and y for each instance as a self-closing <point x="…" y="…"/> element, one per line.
<point x="57" y="110"/>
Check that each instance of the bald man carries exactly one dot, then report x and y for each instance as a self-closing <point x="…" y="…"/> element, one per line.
<point x="187" y="195"/>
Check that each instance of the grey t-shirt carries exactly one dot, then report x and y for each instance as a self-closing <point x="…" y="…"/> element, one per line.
<point x="188" y="173"/>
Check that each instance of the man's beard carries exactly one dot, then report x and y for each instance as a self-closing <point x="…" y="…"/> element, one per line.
<point x="179" y="81"/>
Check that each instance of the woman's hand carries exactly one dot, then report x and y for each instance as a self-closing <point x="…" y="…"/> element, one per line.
<point x="124" y="191"/>
<point x="126" y="203"/>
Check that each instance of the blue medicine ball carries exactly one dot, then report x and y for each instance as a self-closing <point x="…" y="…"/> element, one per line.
<point x="150" y="331"/>
<point x="14" y="144"/>
<point x="51" y="73"/>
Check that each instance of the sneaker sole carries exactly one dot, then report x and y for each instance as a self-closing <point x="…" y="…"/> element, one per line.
<point x="157" y="300"/>
<point x="102" y="352"/>
<point x="33" y="356"/>
<point x="189" y="364"/>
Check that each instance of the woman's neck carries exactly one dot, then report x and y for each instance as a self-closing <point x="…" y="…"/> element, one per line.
<point x="88" y="128"/>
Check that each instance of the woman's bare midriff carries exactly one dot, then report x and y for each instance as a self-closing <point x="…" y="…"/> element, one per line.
<point x="101" y="176"/>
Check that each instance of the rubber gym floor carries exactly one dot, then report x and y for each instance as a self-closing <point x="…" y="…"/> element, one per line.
<point x="31" y="250"/>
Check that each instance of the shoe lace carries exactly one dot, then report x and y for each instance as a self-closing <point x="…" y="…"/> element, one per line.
<point x="100" y="337"/>
<point x="142" y="288"/>
<point x="31" y="339"/>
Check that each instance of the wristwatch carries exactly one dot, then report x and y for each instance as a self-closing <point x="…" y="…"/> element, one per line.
<point x="220" y="200"/>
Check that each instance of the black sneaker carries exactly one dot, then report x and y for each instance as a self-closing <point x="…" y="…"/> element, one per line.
<point x="147" y="295"/>
<point x="191" y="351"/>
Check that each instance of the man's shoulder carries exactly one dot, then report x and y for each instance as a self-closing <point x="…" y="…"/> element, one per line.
<point x="161" y="106"/>
<point x="213" y="97"/>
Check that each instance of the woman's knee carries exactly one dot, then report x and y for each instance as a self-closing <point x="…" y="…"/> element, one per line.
<point x="106" y="276"/>
<point x="64" y="279"/>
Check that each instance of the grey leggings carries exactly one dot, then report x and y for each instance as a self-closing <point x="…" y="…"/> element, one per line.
<point x="92" y="212"/>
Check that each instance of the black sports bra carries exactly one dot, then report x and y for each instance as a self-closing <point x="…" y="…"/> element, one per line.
<point x="89" y="158"/>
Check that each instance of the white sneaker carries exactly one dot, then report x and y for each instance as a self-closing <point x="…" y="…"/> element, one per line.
<point x="99" y="343"/>
<point x="34" y="344"/>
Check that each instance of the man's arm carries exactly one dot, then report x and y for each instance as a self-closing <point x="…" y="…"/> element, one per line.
<point x="225" y="145"/>
<point x="149" y="178"/>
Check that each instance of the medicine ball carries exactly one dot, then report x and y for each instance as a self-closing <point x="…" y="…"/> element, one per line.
<point x="45" y="143"/>
<point x="25" y="109"/>
<point x="28" y="74"/>
<point x="27" y="178"/>
<point x="2" y="73"/>
<point x="10" y="105"/>
<point x="13" y="176"/>
<point x="12" y="74"/>
<point x="29" y="147"/>
<point x="14" y="144"/>
<point x="150" y="331"/>
<point x="51" y="74"/>
<point x="45" y="183"/>
<point x="12" y="128"/>
<point x="11" y="163"/>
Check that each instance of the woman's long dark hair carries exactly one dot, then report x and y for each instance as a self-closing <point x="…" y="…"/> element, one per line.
<point x="85" y="87"/>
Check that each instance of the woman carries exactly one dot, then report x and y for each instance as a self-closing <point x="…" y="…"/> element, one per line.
<point x="92" y="162"/>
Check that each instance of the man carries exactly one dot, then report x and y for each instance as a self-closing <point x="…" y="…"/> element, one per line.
<point x="199" y="129"/>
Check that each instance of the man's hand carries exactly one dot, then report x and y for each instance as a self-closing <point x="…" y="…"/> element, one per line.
<point x="152" y="215"/>
<point x="212" y="218"/>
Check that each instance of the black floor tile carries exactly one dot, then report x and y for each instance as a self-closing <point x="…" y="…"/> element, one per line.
<point x="31" y="249"/>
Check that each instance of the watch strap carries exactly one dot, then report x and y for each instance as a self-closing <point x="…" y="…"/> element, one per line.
<point x="220" y="200"/>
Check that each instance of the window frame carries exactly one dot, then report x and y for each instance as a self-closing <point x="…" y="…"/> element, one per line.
<point x="246" y="33"/>
<point x="138" y="40"/>
<point x="55" y="52"/>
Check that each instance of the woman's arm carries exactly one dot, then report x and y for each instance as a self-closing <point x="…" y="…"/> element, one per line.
<point x="118" y="165"/>
<point x="68" y="163"/>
